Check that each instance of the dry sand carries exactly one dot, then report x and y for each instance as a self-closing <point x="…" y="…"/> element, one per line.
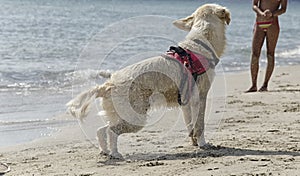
<point x="259" y="134"/>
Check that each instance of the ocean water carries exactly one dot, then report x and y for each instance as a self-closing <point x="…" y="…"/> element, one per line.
<point x="51" y="50"/>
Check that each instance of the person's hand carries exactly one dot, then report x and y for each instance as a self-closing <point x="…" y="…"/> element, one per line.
<point x="267" y="13"/>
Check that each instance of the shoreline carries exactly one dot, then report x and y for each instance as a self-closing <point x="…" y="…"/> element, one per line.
<point x="258" y="134"/>
<point x="65" y="119"/>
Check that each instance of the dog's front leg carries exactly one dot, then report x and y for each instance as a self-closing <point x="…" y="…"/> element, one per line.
<point x="198" y="130"/>
<point x="187" y="114"/>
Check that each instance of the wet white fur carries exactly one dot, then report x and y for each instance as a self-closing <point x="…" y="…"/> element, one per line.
<point x="125" y="95"/>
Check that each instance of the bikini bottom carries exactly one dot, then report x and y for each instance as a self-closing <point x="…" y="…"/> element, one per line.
<point x="264" y="25"/>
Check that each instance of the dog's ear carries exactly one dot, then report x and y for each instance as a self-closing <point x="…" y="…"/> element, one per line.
<point x="227" y="17"/>
<point x="185" y="23"/>
<point x="224" y="15"/>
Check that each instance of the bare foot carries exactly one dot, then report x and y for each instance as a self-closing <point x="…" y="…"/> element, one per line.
<point x="263" y="89"/>
<point x="252" y="89"/>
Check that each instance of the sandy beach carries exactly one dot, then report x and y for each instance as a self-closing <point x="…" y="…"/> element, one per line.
<point x="258" y="135"/>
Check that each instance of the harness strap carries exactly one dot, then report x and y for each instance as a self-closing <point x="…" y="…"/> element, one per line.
<point x="214" y="61"/>
<point x="185" y="77"/>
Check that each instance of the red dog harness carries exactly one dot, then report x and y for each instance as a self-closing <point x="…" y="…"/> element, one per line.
<point x="196" y="64"/>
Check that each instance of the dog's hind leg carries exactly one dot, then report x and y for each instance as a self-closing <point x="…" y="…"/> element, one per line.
<point x="102" y="139"/>
<point x="113" y="143"/>
<point x="198" y="130"/>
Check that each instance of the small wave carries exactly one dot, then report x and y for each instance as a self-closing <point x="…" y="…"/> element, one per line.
<point x="290" y="53"/>
<point x="22" y="122"/>
<point x="32" y="79"/>
<point x="84" y="76"/>
<point x="31" y="124"/>
<point x="44" y="80"/>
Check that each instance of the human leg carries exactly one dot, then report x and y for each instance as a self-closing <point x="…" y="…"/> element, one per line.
<point x="272" y="38"/>
<point x="257" y="43"/>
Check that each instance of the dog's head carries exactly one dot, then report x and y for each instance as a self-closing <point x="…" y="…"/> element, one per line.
<point x="212" y="12"/>
<point x="208" y="21"/>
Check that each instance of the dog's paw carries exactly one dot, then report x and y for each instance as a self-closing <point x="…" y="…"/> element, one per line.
<point x="194" y="141"/>
<point x="206" y="146"/>
<point x="209" y="146"/>
<point x="104" y="153"/>
<point x="116" y="156"/>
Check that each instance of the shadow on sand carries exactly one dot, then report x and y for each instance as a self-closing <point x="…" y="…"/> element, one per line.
<point x="213" y="151"/>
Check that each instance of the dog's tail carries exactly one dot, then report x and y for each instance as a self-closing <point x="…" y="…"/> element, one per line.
<point x="79" y="107"/>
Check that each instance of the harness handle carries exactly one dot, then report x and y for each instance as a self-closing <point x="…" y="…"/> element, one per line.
<point x="180" y="51"/>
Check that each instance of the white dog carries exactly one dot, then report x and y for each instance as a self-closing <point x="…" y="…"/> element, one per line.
<point x="127" y="93"/>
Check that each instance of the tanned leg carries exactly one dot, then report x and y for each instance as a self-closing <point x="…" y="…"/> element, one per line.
<point x="257" y="43"/>
<point x="272" y="37"/>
